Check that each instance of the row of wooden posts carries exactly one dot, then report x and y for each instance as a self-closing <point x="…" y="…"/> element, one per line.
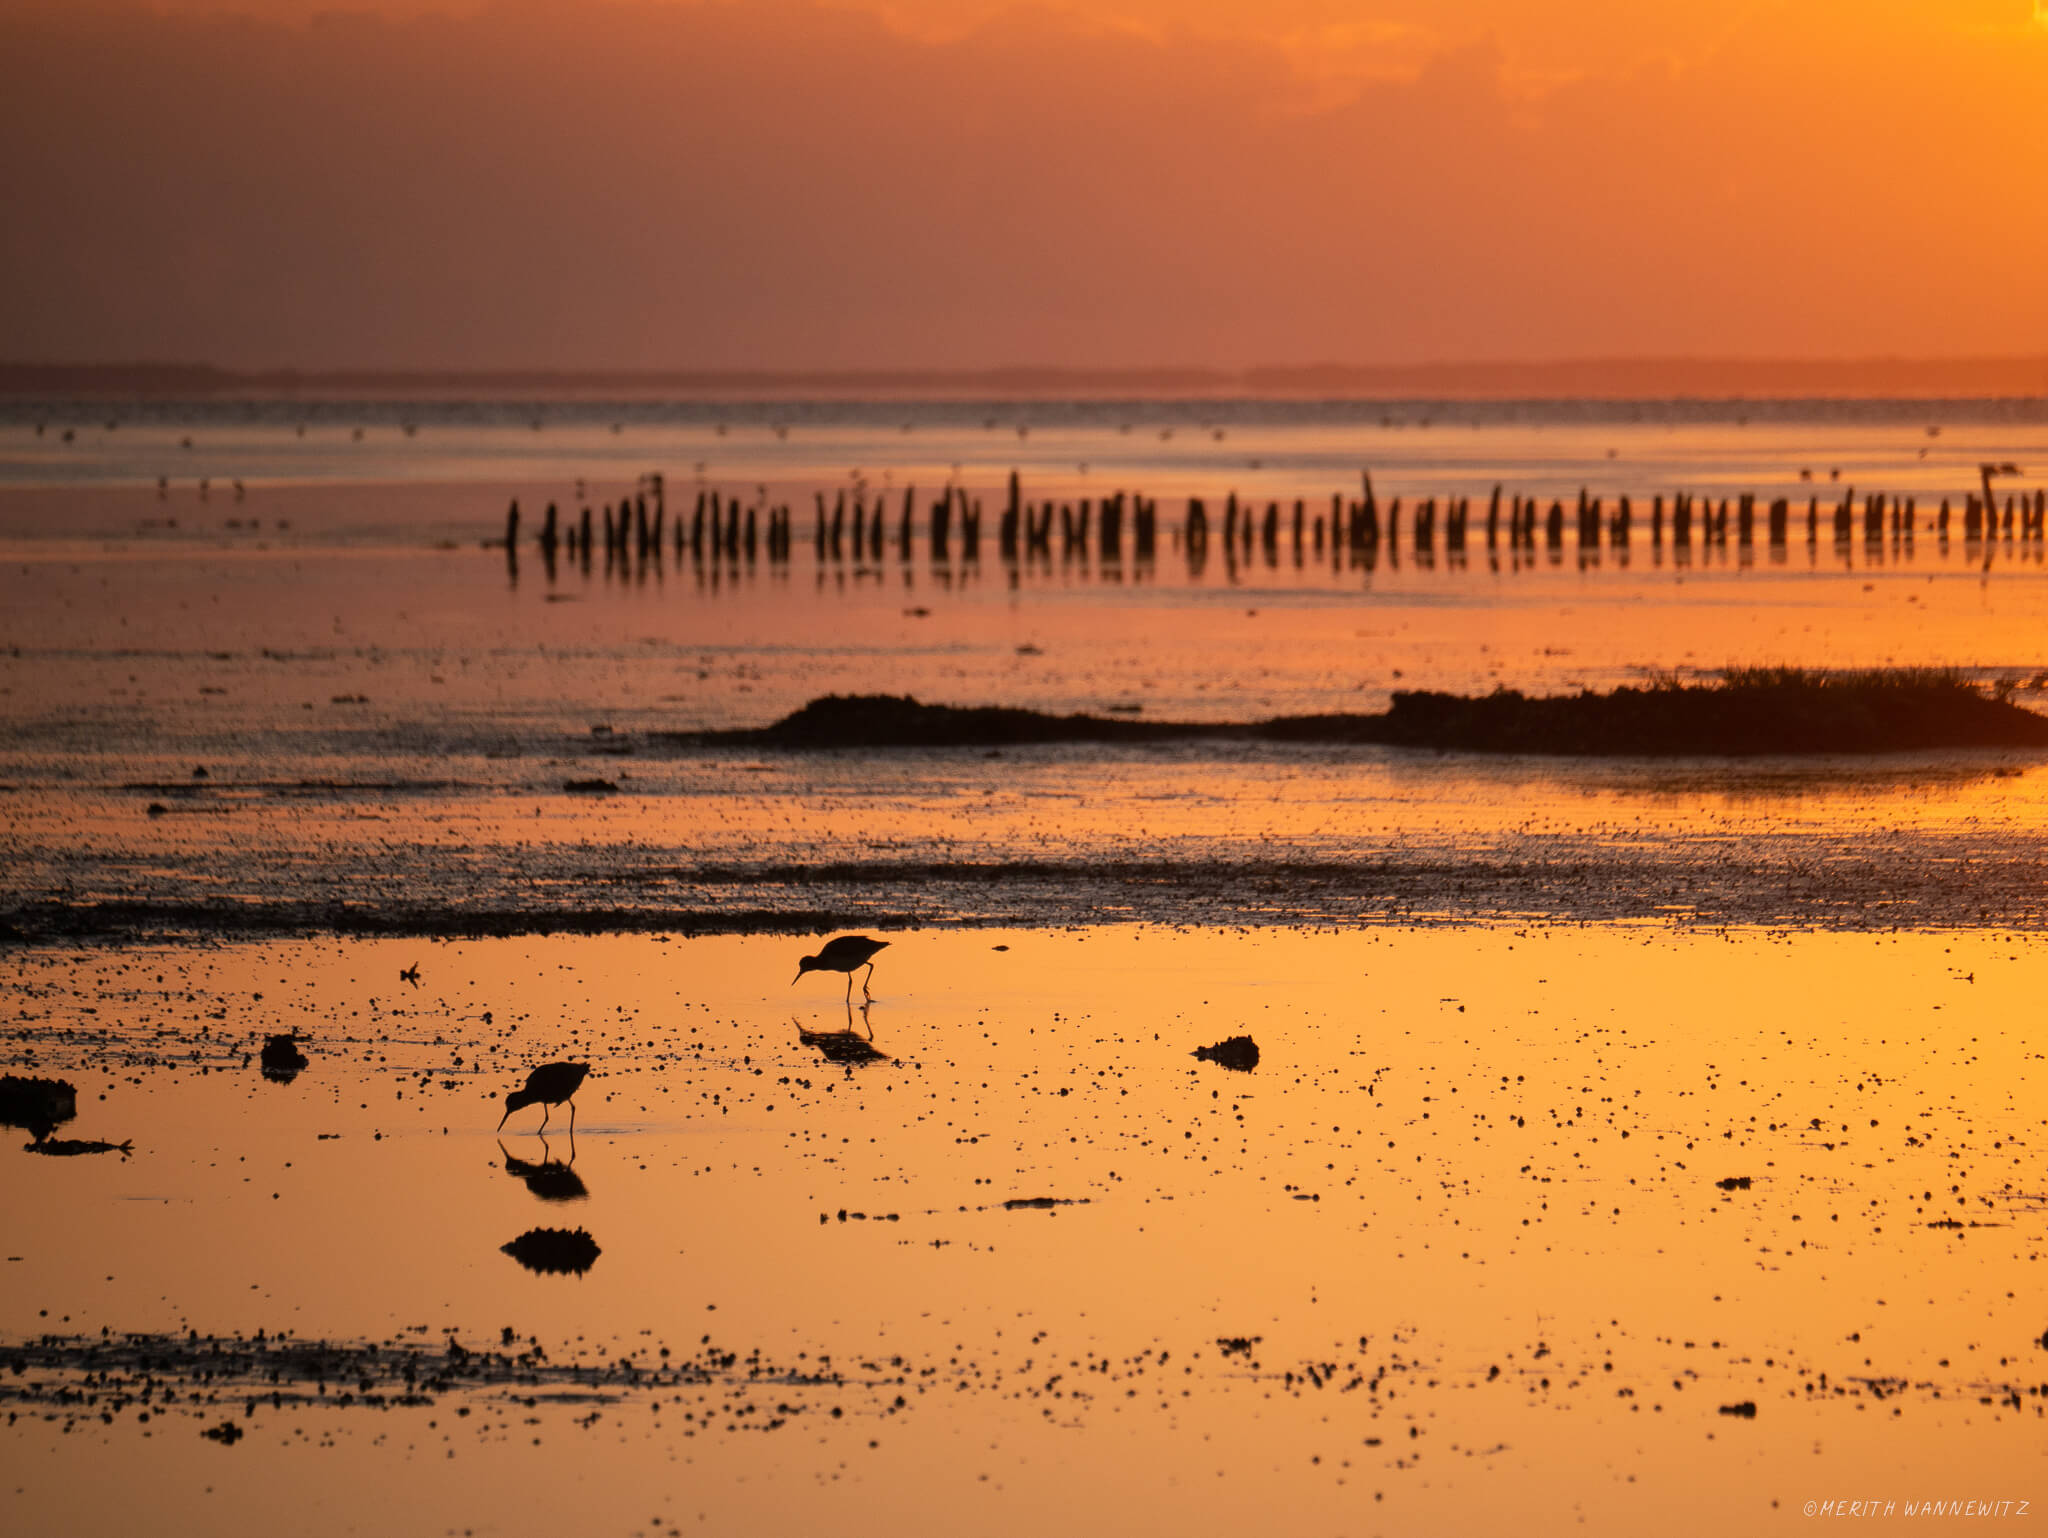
<point x="721" y="527"/>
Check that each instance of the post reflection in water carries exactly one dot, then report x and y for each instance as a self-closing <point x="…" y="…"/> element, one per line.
<point x="850" y="538"/>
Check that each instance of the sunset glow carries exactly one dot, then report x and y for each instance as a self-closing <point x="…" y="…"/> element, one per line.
<point x="797" y="183"/>
<point x="1000" y="768"/>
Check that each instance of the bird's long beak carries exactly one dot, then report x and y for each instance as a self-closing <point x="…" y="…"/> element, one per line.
<point x="798" y="978"/>
<point x="505" y="1118"/>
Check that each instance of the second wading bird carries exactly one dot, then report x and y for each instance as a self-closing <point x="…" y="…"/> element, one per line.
<point x="550" y="1084"/>
<point x="848" y="954"/>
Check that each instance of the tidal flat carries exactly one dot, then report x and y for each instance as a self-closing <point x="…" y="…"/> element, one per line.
<point x="1633" y="1143"/>
<point x="1553" y="1226"/>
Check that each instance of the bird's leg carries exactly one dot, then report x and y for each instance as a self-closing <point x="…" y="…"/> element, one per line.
<point x="544" y="1116"/>
<point x="572" y="1119"/>
<point x="865" y="1022"/>
<point x="864" y="981"/>
<point x="849" y="987"/>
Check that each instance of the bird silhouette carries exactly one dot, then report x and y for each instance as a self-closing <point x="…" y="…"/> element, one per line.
<point x="550" y="1084"/>
<point x="848" y="954"/>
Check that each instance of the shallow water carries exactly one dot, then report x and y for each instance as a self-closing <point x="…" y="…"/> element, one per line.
<point x="1258" y="448"/>
<point x="1464" y="1217"/>
<point x="1456" y="1255"/>
<point x="240" y="729"/>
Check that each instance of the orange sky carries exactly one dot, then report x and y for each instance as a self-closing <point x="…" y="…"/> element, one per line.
<point x="788" y="183"/>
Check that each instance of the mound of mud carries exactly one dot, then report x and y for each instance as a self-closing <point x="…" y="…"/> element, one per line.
<point x="1752" y="712"/>
<point x="898" y="721"/>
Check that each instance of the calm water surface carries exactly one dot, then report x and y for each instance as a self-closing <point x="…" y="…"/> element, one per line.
<point x="1456" y="1256"/>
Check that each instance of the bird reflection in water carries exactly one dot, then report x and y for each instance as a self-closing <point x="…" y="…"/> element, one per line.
<point x="848" y="1047"/>
<point x="551" y="1179"/>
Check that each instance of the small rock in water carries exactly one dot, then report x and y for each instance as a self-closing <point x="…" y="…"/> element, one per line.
<point x="1734" y="1183"/>
<point x="1239" y="1052"/>
<point x="227" y="1433"/>
<point x="1746" y="1410"/>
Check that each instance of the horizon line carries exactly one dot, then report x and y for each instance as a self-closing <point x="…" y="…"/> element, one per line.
<point x="1675" y="376"/>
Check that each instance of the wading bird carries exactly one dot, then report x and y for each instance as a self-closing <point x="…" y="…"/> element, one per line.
<point x="550" y="1084"/>
<point x="848" y="954"/>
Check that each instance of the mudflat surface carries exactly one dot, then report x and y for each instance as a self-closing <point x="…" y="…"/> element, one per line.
<point x="1469" y="1248"/>
<point x="1473" y="1238"/>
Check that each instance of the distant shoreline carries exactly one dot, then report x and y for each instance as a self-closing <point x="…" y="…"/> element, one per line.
<point x="1581" y="379"/>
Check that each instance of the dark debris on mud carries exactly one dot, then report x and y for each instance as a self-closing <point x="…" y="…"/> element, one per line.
<point x="1920" y="883"/>
<point x="121" y="1380"/>
<point x="74" y="1379"/>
